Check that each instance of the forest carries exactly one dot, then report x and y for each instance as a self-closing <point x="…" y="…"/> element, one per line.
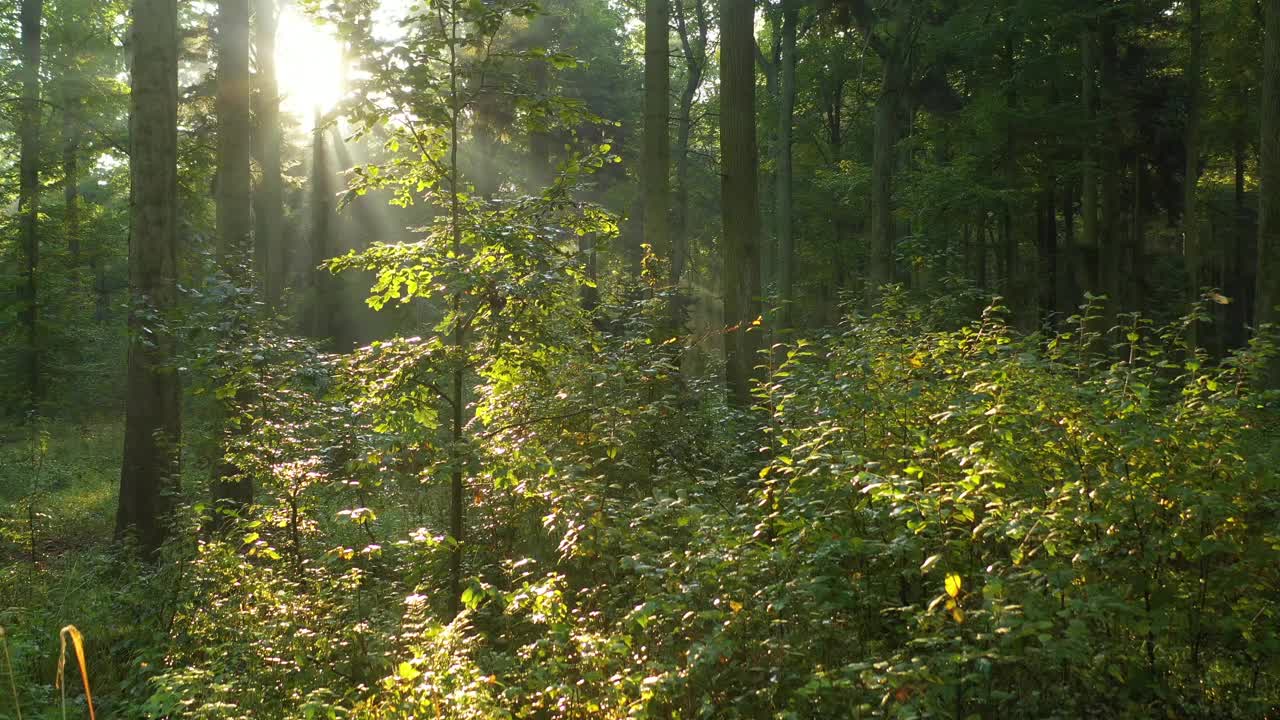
<point x="668" y="359"/>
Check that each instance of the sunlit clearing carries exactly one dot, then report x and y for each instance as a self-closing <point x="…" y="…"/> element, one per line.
<point x="309" y="64"/>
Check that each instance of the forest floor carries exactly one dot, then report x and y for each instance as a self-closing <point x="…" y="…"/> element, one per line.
<point x="58" y="483"/>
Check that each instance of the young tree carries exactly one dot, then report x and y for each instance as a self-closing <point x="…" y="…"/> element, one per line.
<point x="740" y="206"/>
<point x="30" y="15"/>
<point x="153" y="419"/>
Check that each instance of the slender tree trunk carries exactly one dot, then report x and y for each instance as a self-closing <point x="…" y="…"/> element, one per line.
<point x="322" y="322"/>
<point x="695" y="59"/>
<point x="1135" y="264"/>
<point x="153" y="417"/>
<point x="1191" y="142"/>
<point x="1068" y="285"/>
<point x="1089" y="164"/>
<point x="71" y="175"/>
<point x="1111" y="258"/>
<point x="30" y="16"/>
<point x="1268" y="292"/>
<point x="269" y="198"/>
<point x="888" y="126"/>
<point x="840" y="229"/>
<point x="786" y="113"/>
<point x="1009" y="241"/>
<point x="740" y="206"/>
<point x="657" y="144"/>
<point x="1241" y="285"/>
<point x="1048" y="250"/>
<point x="232" y="488"/>
<point x="457" y="485"/>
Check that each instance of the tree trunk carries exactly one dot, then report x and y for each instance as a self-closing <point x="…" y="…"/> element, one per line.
<point x="1242" y="283"/>
<point x="1268" y="292"/>
<point x="232" y="488"/>
<point x="1111" y="258"/>
<point x="786" y="112"/>
<point x="1068" y="286"/>
<point x="1191" y="142"/>
<point x="269" y="198"/>
<point x="153" y="418"/>
<point x="695" y="58"/>
<point x="71" y="175"/>
<point x="322" y="321"/>
<point x="1009" y="168"/>
<point x="29" y="192"/>
<point x="740" y="207"/>
<point x="1048" y="251"/>
<point x="1090" y="268"/>
<point x="888" y="122"/>
<point x="657" y="150"/>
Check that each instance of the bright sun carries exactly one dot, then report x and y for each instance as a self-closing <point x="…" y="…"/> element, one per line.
<point x="309" y="64"/>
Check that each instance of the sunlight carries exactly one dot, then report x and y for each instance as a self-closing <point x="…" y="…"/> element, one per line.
<point x="309" y="63"/>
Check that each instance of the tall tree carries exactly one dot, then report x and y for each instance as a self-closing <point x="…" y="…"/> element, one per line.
<point x="739" y="203"/>
<point x="1089" y="160"/>
<point x="269" y="196"/>
<point x="71" y="136"/>
<point x="1268" y="293"/>
<point x="1191" y="142"/>
<point x="657" y="145"/>
<point x="693" y="46"/>
<point x="153" y="419"/>
<point x="30" y="16"/>
<point x="232" y="489"/>
<point x="784" y="177"/>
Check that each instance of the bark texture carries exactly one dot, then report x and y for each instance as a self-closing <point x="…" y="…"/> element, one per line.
<point x="149" y="474"/>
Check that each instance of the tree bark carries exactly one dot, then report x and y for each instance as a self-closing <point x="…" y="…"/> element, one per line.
<point x="1268" y="292"/>
<point x="1191" y="142"/>
<point x="657" y="145"/>
<point x="694" y="50"/>
<point x="784" y="179"/>
<point x="232" y="488"/>
<point x="888" y="127"/>
<point x="322" y="323"/>
<point x="269" y="198"/>
<point x="1048" y="251"/>
<point x="1089" y="164"/>
<point x="740" y="206"/>
<point x="30" y="16"/>
<point x="149" y="472"/>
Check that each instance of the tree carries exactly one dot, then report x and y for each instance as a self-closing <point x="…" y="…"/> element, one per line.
<point x="269" y="196"/>
<point x="740" y="206"/>
<point x="233" y="489"/>
<point x="1190" y="213"/>
<point x="657" y="145"/>
<point x="153" y="419"/>
<point x="693" y="47"/>
<point x="1268" y="294"/>
<point x="30" y="16"/>
<point x="786" y="121"/>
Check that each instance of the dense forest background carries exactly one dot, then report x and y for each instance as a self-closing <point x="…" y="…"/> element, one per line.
<point x="665" y="359"/>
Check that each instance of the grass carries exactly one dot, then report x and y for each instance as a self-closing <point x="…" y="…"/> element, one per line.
<point x="57" y="565"/>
